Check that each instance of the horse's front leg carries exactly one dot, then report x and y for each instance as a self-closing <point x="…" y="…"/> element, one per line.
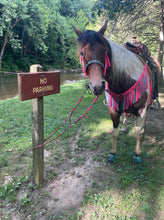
<point x="115" y="116"/>
<point x="140" y="125"/>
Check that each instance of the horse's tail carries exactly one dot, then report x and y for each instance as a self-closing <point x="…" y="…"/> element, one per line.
<point x="156" y="70"/>
<point x="157" y="63"/>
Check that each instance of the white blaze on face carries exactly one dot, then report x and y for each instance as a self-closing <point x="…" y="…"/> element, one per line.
<point x="95" y="75"/>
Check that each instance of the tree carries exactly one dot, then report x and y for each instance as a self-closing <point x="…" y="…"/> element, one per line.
<point x="23" y="24"/>
<point x="142" y="17"/>
<point x="161" y="37"/>
<point x="11" y="13"/>
<point x="61" y="36"/>
<point x="41" y="31"/>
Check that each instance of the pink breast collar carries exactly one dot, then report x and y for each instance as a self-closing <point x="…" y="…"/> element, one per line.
<point x="132" y="95"/>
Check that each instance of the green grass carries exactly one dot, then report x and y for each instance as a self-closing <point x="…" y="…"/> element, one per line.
<point x="118" y="192"/>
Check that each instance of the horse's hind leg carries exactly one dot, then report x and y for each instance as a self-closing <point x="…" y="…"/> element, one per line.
<point x="140" y="125"/>
<point x="115" y="116"/>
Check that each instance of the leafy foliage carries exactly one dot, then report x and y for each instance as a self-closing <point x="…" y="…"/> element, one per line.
<point x="40" y="32"/>
<point x="128" y="17"/>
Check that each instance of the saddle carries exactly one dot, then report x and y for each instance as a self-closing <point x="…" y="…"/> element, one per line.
<point x="138" y="48"/>
<point x="143" y="53"/>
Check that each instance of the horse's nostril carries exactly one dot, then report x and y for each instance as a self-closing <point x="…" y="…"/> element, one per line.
<point x="103" y="83"/>
<point x="97" y="89"/>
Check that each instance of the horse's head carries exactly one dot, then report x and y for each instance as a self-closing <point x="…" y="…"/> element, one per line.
<point x="93" y="48"/>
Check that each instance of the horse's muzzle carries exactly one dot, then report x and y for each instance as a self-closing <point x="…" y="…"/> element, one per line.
<point x="97" y="89"/>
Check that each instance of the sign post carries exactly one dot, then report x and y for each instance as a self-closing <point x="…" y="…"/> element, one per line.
<point x="37" y="134"/>
<point x="35" y="85"/>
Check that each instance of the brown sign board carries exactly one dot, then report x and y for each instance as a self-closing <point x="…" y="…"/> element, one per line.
<point x="39" y="84"/>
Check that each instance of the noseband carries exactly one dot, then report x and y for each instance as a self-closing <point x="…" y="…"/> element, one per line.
<point x="94" y="61"/>
<point x="105" y="67"/>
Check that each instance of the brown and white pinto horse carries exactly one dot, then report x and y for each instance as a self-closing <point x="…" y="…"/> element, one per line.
<point x="105" y="61"/>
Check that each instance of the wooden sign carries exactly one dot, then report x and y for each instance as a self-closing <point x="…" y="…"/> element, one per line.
<point x="39" y="84"/>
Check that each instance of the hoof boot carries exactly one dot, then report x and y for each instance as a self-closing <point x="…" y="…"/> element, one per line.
<point x="136" y="159"/>
<point x="111" y="158"/>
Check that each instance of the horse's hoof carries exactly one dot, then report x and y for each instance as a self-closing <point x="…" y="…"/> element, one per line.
<point x="136" y="159"/>
<point x="111" y="158"/>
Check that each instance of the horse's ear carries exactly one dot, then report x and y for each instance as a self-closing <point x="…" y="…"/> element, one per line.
<point x="104" y="27"/>
<point x="78" y="32"/>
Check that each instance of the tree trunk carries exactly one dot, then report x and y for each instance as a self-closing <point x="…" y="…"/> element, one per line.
<point x="6" y="39"/>
<point x="3" y="48"/>
<point x="161" y="40"/>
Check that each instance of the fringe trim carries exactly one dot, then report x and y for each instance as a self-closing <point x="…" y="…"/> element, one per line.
<point x="132" y="95"/>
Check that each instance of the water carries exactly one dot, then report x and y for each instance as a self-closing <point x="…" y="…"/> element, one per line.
<point x="9" y="85"/>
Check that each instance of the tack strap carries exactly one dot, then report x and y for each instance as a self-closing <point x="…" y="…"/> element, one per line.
<point x="94" y="61"/>
<point x="105" y="67"/>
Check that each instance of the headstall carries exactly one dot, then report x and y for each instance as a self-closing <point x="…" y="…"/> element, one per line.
<point x="105" y="67"/>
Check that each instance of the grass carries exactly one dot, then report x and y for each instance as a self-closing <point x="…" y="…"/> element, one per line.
<point x="118" y="192"/>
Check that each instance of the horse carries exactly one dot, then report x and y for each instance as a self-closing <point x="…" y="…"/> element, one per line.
<point x="112" y="68"/>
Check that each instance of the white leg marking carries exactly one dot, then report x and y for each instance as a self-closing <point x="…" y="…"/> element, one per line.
<point x="140" y="124"/>
<point x="123" y="129"/>
<point x="115" y="134"/>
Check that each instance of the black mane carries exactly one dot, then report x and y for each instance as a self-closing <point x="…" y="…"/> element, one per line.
<point x="91" y="38"/>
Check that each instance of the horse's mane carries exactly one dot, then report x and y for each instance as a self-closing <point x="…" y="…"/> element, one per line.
<point x="90" y="37"/>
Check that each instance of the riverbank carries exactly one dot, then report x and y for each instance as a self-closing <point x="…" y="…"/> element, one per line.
<point x="79" y="184"/>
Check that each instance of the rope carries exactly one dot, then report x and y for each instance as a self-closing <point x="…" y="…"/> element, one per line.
<point x="69" y="117"/>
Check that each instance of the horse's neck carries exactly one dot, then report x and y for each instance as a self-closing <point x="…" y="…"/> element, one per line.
<point x="125" y="69"/>
<point x="125" y="62"/>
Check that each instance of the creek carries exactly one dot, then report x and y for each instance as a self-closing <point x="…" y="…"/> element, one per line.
<point x="9" y="85"/>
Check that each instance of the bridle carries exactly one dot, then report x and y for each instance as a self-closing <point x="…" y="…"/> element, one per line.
<point x="105" y="67"/>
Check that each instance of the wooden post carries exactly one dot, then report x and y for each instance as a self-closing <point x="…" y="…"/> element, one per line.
<point x="37" y="134"/>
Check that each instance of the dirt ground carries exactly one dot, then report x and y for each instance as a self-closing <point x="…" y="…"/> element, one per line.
<point x="68" y="189"/>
